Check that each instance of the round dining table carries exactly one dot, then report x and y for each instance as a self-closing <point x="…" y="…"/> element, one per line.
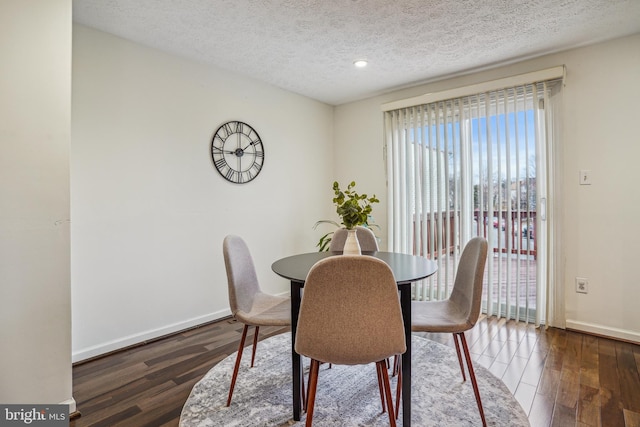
<point x="406" y="270"/>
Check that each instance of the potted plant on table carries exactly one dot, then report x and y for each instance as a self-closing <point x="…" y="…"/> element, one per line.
<point x="354" y="209"/>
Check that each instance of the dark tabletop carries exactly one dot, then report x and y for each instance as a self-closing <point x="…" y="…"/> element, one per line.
<point x="406" y="268"/>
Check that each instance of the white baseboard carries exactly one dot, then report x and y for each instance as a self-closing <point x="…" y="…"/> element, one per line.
<point x="72" y="405"/>
<point x="97" y="350"/>
<point x="607" y="331"/>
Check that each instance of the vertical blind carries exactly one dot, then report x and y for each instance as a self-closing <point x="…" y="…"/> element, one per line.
<point x="474" y="165"/>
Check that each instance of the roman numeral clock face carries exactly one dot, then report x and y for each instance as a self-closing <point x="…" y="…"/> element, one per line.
<point x="237" y="152"/>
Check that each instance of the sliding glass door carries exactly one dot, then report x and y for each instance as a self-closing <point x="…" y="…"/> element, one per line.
<point x="470" y="166"/>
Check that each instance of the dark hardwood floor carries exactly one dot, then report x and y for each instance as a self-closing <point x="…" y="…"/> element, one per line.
<point x="561" y="378"/>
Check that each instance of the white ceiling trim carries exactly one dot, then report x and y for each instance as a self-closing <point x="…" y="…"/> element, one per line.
<point x="488" y="86"/>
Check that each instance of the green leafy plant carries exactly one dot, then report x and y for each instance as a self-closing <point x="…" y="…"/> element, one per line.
<point x="354" y="209"/>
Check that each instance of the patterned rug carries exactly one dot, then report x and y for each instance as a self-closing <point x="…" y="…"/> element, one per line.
<point x="347" y="395"/>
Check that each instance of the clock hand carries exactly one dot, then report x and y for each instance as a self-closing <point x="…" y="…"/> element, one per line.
<point x="235" y="152"/>
<point x="251" y="143"/>
<point x="223" y="151"/>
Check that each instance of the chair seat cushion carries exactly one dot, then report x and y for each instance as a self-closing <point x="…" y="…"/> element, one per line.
<point x="438" y="316"/>
<point x="267" y="310"/>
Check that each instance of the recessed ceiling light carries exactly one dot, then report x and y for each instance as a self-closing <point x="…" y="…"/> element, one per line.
<point x="360" y="63"/>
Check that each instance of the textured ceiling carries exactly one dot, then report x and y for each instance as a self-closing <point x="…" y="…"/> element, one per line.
<point x="308" y="46"/>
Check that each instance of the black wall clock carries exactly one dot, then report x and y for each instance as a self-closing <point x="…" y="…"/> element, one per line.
<point x="237" y="152"/>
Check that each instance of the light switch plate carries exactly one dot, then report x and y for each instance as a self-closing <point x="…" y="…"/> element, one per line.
<point x="585" y="177"/>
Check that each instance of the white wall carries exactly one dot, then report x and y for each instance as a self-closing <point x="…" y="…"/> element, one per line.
<point x="35" y="118"/>
<point x="600" y="133"/>
<point x="149" y="211"/>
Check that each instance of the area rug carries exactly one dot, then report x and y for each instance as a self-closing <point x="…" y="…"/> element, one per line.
<point x="347" y="395"/>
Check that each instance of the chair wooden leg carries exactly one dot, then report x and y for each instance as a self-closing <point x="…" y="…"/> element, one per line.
<point x="398" y="386"/>
<point x="311" y="395"/>
<point x="380" y="385"/>
<point x="387" y="391"/>
<point x="237" y="366"/>
<point x="304" y="393"/>
<point x="255" y="345"/>
<point x="455" y="340"/>
<point x="473" y="376"/>
<point x="396" y="363"/>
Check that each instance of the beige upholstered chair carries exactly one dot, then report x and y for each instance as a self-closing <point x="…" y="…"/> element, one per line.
<point x="366" y="239"/>
<point x="350" y="314"/>
<point x="248" y="303"/>
<point x="461" y="310"/>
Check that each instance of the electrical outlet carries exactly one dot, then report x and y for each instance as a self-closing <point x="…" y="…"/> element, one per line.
<point x="582" y="285"/>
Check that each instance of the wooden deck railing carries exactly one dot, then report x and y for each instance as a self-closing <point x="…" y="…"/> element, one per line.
<point x="510" y="283"/>
<point x="514" y="233"/>
<point x="439" y="241"/>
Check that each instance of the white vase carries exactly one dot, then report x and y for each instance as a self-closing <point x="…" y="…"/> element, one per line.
<point x="351" y="245"/>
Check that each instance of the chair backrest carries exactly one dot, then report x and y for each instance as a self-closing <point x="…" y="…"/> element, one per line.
<point x="467" y="288"/>
<point x="366" y="239"/>
<point x="241" y="274"/>
<point x="350" y="312"/>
